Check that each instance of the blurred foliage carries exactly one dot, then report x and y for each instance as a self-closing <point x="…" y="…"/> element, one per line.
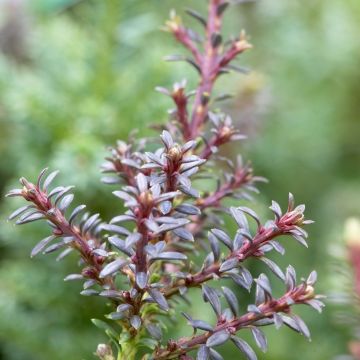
<point x="85" y="77"/>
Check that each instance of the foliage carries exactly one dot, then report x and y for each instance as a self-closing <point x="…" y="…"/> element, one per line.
<point x="155" y="256"/>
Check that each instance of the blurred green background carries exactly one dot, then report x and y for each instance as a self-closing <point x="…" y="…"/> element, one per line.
<point x="75" y="76"/>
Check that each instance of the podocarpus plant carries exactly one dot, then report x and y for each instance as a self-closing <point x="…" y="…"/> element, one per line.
<point x="156" y="246"/>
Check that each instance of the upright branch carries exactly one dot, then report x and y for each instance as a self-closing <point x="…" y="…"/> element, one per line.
<point x="157" y="244"/>
<point x="210" y="63"/>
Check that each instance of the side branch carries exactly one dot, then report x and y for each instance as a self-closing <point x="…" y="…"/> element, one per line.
<point x="268" y="310"/>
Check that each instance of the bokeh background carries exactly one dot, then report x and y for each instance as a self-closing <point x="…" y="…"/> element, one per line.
<point x="75" y="76"/>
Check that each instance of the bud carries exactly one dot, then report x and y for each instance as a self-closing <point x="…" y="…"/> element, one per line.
<point x="175" y="153"/>
<point x="309" y="292"/>
<point x="146" y="198"/>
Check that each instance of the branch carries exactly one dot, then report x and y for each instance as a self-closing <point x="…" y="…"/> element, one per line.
<point x="287" y="224"/>
<point x="52" y="206"/>
<point x="209" y="68"/>
<point x="242" y="176"/>
<point x="301" y="294"/>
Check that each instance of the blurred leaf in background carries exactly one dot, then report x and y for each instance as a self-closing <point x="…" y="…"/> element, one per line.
<point x="81" y="74"/>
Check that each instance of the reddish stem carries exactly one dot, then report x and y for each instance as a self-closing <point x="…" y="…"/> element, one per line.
<point x="209" y="70"/>
<point x="247" y="250"/>
<point x="297" y="295"/>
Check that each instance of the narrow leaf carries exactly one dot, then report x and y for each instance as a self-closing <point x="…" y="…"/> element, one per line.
<point x="217" y="339"/>
<point x="244" y="347"/>
<point x="112" y="267"/>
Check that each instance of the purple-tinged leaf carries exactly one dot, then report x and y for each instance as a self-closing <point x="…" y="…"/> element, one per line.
<point x="253" y="308"/>
<point x="152" y="225"/>
<point x="65" y="202"/>
<point x="168" y="227"/>
<point x="130" y="163"/>
<point x="217" y="338"/>
<point x="202" y="325"/>
<point x="302" y="326"/>
<point x="123" y="196"/>
<point x="278" y="321"/>
<point x="41" y="245"/>
<point x="188" y="146"/>
<point x="214" y="355"/>
<point x="55" y="247"/>
<point x="238" y="240"/>
<point x="263" y="322"/>
<point x="89" y="223"/>
<point x="14" y="192"/>
<point x="122" y="218"/>
<point x="290" y="322"/>
<point x="169" y="255"/>
<point x="222" y="7"/>
<point x="183" y="181"/>
<point x="155" y="159"/>
<point x="100" y="252"/>
<point x="188" y="209"/>
<point x="72" y="277"/>
<point x="165" y="207"/>
<point x="184" y="234"/>
<point x="167" y="139"/>
<point x="111" y="294"/>
<point x="276" y="209"/>
<point x="20" y="211"/>
<point x="135" y="322"/>
<point x="112" y="267"/>
<point x="197" y="16"/>
<point x="189" y="191"/>
<point x="190" y="165"/>
<point x="251" y="213"/>
<point x="290" y="278"/>
<point x="76" y="212"/>
<point x="55" y="191"/>
<point x="264" y="283"/>
<point x="244" y="347"/>
<point x="274" y="268"/>
<point x="300" y="239"/>
<point x="61" y="194"/>
<point x="260" y="339"/>
<point x="215" y="248"/>
<point x="277" y="247"/>
<point x="159" y="298"/>
<point x="64" y="253"/>
<point x="231" y="300"/>
<point x="311" y="280"/>
<point x="124" y="307"/>
<point x="89" y="283"/>
<point x="210" y="295"/>
<point x="141" y="182"/>
<point x="240" y="218"/>
<point x="141" y="280"/>
<point x="115" y="316"/>
<point x="223" y="237"/>
<point x="132" y="239"/>
<point x="203" y="353"/>
<point x="89" y="292"/>
<point x="229" y="264"/>
<point x="116" y="229"/>
<point x="30" y="218"/>
<point x="291" y="202"/>
<point x="316" y="304"/>
<point x="167" y="196"/>
<point x="49" y="179"/>
<point x="239" y="280"/>
<point x="110" y="180"/>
